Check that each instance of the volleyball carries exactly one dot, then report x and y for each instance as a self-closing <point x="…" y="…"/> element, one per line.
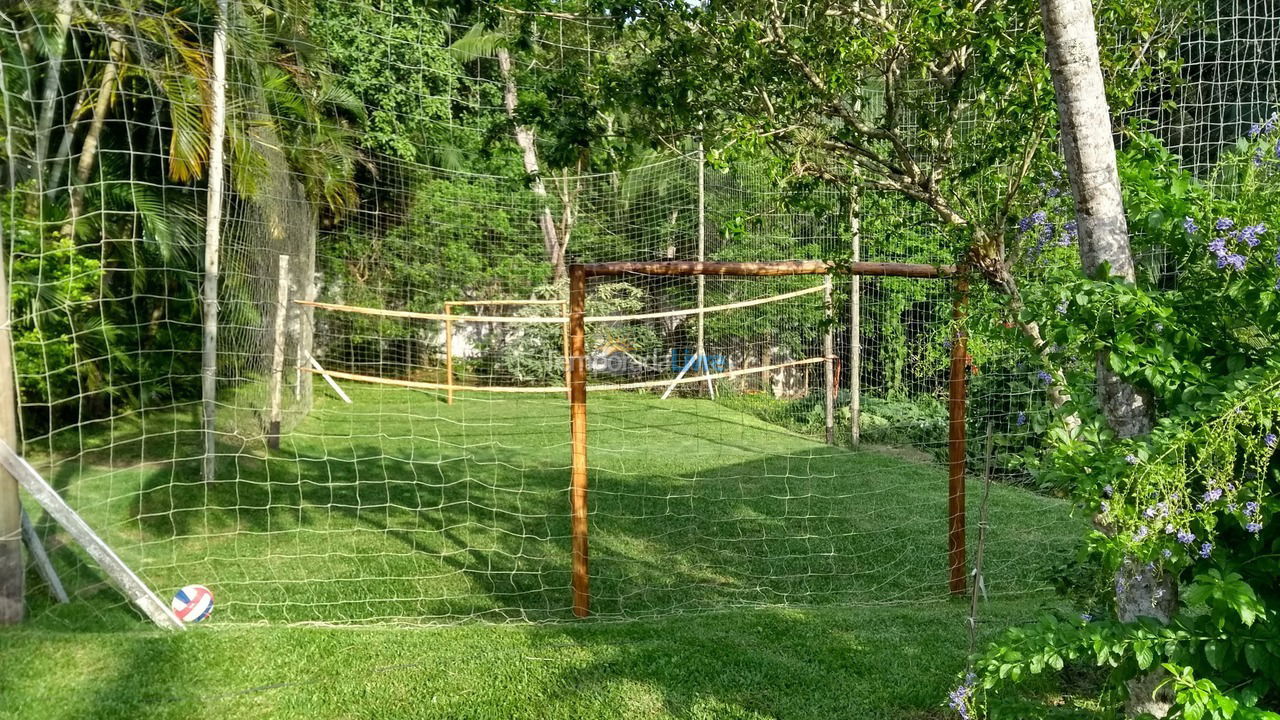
<point x="193" y="603"/>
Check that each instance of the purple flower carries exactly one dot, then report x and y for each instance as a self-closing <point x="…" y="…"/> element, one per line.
<point x="1250" y="509"/>
<point x="1224" y="223"/>
<point x="1254" y="527"/>
<point x="1022" y="419"/>
<point x="1167" y="553"/>
<point x="1086" y="617"/>
<point x="1107" y="490"/>
<point x="1149" y="513"/>
<point x="1257" y="157"/>
<point x="1131" y="459"/>
<point x="1033" y="220"/>
<point x="1250" y="234"/>
<point x="1105" y="507"/>
<point x="1045" y="377"/>
<point x="1168" y="529"/>
<point x="1235" y="261"/>
<point x="1141" y="534"/>
<point x="1062" y="307"/>
<point x="1270" y="440"/>
<point x="1255" y="130"/>
<point x="1189" y="225"/>
<point x="1205" y="549"/>
<point x="1186" y="537"/>
<point x="1218" y="247"/>
<point x="1213" y="495"/>
<point x="958" y="699"/>
<point x="1054" y="192"/>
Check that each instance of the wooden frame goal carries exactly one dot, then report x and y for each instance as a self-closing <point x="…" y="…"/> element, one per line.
<point x="577" y="355"/>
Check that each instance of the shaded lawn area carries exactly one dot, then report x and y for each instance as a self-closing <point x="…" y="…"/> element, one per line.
<point x="400" y="508"/>
<point x="762" y="574"/>
<point x="895" y="663"/>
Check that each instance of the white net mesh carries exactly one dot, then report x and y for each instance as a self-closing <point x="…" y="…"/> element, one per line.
<point x="405" y="203"/>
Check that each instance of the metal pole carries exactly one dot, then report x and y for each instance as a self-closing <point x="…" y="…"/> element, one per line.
<point x="212" y="240"/>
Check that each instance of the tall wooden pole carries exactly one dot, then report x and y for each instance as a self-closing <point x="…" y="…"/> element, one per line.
<point x="448" y="354"/>
<point x="828" y="362"/>
<point x="702" y="257"/>
<point x="956" y="396"/>
<point x="212" y="238"/>
<point x="578" y="439"/>
<point x="855" y="319"/>
<point x="564" y="341"/>
<point x="12" y="572"/>
<point x="276" y="383"/>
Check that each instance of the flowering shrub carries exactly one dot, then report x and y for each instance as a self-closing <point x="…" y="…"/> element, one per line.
<point x="1196" y="499"/>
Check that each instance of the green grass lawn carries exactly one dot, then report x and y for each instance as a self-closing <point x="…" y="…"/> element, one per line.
<point x="825" y="568"/>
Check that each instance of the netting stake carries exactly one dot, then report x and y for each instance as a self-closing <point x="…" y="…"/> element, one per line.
<point x="855" y="319"/>
<point x="828" y="362"/>
<point x="448" y="354"/>
<point x="276" y="385"/>
<point x="40" y="559"/>
<point x="578" y="437"/>
<point x="956" y="390"/>
<point x="11" y="567"/>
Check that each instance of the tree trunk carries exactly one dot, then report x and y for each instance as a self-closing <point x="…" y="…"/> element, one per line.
<point x="1072" y="45"/>
<point x="89" y="149"/>
<point x="48" y="99"/>
<point x="529" y="151"/>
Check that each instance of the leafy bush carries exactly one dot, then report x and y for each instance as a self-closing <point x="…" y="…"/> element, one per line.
<point x="1194" y="501"/>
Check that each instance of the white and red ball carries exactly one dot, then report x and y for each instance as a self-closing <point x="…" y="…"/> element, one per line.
<point x="192" y="603"/>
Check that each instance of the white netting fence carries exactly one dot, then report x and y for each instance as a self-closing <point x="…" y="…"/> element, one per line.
<point x="434" y="487"/>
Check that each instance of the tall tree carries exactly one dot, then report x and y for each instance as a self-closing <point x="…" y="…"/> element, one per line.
<point x="1072" y="48"/>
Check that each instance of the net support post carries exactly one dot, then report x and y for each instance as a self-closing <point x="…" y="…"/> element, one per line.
<point x="12" y="575"/>
<point x="956" y="400"/>
<point x="112" y="566"/>
<point x="828" y="361"/>
<point x="855" y="319"/>
<point x="448" y="354"/>
<point x="578" y="438"/>
<point x="275" y="410"/>
<point x="564" y="341"/>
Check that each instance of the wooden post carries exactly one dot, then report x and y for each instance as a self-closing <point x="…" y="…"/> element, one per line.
<point x="133" y="588"/>
<point x="855" y="319"/>
<point x="212" y="238"/>
<point x="304" y="277"/>
<point x="12" y="570"/>
<point x="828" y="362"/>
<point x="701" y="349"/>
<point x="448" y="353"/>
<point x="275" y="385"/>
<point x="956" y="443"/>
<point x="568" y="376"/>
<point x="578" y="438"/>
<point x="40" y="559"/>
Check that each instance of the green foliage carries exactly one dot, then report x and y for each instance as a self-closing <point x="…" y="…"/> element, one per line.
<point x="390" y="55"/>
<point x="1196" y="498"/>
